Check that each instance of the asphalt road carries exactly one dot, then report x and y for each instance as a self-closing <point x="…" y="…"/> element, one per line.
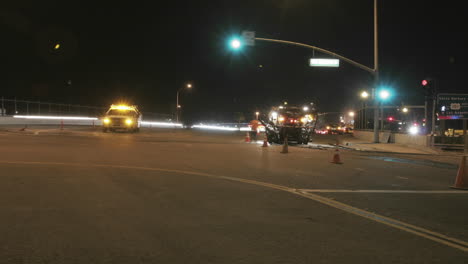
<point x="181" y="196"/>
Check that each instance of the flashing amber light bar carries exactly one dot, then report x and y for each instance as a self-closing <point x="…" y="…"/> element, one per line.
<point x="123" y="107"/>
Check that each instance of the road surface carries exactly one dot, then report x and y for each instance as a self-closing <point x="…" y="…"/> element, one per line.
<point x="182" y="196"/>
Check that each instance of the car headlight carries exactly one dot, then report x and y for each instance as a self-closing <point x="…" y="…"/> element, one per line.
<point x="304" y="120"/>
<point x="128" y="121"/>
<point x="328" y="127"/>
<point x="106" y="120"/>
<point x="281" y="119"/>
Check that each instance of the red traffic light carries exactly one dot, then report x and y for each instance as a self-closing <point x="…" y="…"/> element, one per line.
<point x="424" y="82"/>
<point x="390" y="118"/>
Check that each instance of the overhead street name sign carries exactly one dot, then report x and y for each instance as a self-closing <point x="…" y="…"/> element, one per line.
<point x="324" y="62"/>
<point x="453" y="106"/>
<point x="248" y="38"/>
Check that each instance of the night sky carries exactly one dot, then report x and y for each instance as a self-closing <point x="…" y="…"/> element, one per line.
<point x="145" y="52"/>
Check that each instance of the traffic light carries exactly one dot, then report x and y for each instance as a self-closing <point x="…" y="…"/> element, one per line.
<point x="235" y="43"/>
<point x="429" y="87"/>
<point x="390" y="119"/>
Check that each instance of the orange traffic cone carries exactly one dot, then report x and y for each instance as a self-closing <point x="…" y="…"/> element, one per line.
<point x="285" y="146"/>
<point x="461" y="181"/>
<point x="265" y="142"/>
<point x="336" y="157"/>
<point x="247" y="137"/>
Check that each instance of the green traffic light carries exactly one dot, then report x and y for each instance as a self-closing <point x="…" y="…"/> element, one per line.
<point x="384" y="94"/>
<point x="235" y="43"/>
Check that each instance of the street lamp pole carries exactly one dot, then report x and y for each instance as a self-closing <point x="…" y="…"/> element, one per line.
<point x="364" y="95"/>
<point x="177" y="106"/>
<point x="177" y="101"/>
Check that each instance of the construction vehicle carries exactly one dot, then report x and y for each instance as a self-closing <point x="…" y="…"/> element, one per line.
<point x="122" y="117"/>
<point x="291" y="122"/>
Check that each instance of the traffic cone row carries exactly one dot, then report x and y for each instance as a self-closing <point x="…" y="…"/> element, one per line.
<point x="461" y="181"/>
<point x="247" y="137"/>
<point x="337" y="160"/>
<point x="265" y="142"/>
<point x="285" y="146"/>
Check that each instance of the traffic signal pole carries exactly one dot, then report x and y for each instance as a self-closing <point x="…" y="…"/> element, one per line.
<point x="425" y="115"/>
<point x="350" y="61"/>
<point x="376" y="76"/>
<point x="374" y="71"/>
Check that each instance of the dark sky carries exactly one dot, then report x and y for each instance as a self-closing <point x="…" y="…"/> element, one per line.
<point x="145" y="52"/>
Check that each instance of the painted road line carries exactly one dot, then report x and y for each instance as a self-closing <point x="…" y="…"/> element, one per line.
<point x="382" y="191"/>
<point x="421" y="232"/>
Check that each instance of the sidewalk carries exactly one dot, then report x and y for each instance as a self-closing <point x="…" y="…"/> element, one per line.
<point x="404" y="151"/>
<point x="350" y="142"/>
<point x="390" y="147"/>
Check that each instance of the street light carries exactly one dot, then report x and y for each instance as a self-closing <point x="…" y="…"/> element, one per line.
<point x="364" y="95"/>
<point x="188" y="86"/>
<point x="351" y="114"/>
<point x="362" y="112"/>
<point x="256" y="114"/>
<point x="405" y="110"/>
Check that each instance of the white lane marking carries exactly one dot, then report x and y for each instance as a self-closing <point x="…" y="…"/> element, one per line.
<point x="419" y="231"/>
<point x="381" y="191"/>
<point x="404" y="178"/>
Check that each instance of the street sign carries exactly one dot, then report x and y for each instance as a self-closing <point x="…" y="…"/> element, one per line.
<point x="453" y="106"/>
<point x="248" y="38"/>
<point x="324" y="62"/>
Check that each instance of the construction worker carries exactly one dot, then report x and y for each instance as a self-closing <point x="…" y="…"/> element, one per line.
<point x="254" y="129"/>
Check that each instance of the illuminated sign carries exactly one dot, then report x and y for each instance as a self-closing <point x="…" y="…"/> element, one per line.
<point x="324" y="62"/>
<point x="453" y="106"/>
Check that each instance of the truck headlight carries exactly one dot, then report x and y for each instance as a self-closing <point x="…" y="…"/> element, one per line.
<point x="128" y="121"/>
<point x="106" y="120"/>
